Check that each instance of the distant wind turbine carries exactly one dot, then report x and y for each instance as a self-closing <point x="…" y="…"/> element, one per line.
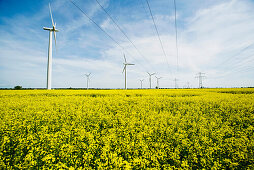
<point x="150" y="75"/>
<point x="158" y="78"/>
<point x="49" y="70"/>
<point x="87" y="79"/>
<point x="141" y="82"/>
<point x="125" y="67"/>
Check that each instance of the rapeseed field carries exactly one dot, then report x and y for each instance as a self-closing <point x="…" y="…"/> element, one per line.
<point x="127" y="129"/>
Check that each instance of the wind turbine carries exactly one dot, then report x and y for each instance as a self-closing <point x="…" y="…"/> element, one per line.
<point x="158" y="81"/>
<point x="49" y="70"/>
<point x="150" y="75"/>
<point x="87" y="79"/>
<point x="125" y="67"/>
<point x="141" y="81"/>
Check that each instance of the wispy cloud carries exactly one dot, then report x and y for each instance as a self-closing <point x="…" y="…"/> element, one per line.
<point x="208" y="38"/>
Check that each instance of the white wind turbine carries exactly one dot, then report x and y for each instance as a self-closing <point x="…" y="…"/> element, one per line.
<point x="125" y="67"/>
<point x="141" y="83"/>
<point x="150" y="75"/>
<point x="87" y="79"/>
<point x="49" y="70"/>
<point x="158" y="78"/>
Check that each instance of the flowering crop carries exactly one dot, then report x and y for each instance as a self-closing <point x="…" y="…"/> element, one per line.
<point x="130" y="129"/>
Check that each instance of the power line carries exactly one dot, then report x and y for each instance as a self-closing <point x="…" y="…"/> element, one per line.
<point x="245" y="69"/>
<point x="157" y="32"/>
<point x="235" y="71"/>
<point x="238" y="67"/>
<point x="176" y="38"/>
<point x="244" y="62"/>
<point x="122" y="31"/>
<point x="102" y="29"/>
<point x="143" y="5"/>
<point x="236" y="55"/>
<point x="96" y="24"/>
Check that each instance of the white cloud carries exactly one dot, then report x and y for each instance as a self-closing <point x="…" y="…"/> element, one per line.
<point x="209" y="37"/>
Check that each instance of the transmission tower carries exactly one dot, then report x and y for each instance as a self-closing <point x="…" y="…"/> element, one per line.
<point x="175" y="80"/>
<point x="200" y="77"/>
<point x="188" y="85"/>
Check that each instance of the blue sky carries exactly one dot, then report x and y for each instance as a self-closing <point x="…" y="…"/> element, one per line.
<point x="215" y="37"/>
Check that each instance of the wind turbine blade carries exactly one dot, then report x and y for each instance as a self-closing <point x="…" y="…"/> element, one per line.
<point x="55" y="37"/>
<point x="124" y="58"/>
<point x="51" y="16"/>
<point x="124" y="68"/>
<point x="45" y="28"/>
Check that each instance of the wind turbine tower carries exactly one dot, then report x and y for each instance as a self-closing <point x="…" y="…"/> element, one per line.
<point x="150" y="75"/>
<point x="87" y="80"/>
<point x="158" y="78"/>
<point x="141" y="83"/>
<point x="124" y="70"/>
<point x="49" y="68"/>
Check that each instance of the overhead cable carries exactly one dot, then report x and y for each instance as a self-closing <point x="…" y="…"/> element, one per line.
<point x="96" y="24"/>
<point x="121" y="30"/>
<point x="101" y="28"/>
<point x="176" y="38"/>
<point x="157" y="32"/>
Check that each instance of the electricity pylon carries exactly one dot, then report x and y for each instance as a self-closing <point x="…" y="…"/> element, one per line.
<point x="188" y="85"/>
<point x="200" y="79"/>
<point x="175" y="80"/>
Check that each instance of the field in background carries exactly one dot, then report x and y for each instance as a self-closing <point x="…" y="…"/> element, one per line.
<point x="107" y="129"/>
